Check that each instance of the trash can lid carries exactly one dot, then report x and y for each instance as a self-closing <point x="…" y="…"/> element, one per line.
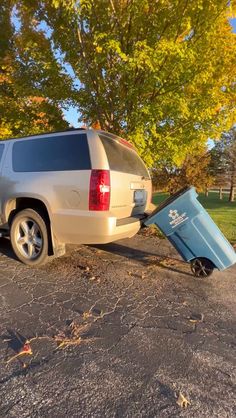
<point x="172" y="198"/>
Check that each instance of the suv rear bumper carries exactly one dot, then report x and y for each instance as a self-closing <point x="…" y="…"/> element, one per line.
<point x="93" y="227"/>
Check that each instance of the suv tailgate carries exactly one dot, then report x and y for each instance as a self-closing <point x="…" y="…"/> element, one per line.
<point x="130" y="180"/>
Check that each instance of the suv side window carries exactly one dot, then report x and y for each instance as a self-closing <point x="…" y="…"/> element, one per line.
<point x="55" y="153"/>
<point x="1" y="151"/>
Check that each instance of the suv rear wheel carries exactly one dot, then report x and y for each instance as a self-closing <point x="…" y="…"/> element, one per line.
<point x="29" y="237"/>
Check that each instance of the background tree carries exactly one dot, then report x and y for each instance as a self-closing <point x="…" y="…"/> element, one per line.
<point x="24" y="104"/>
<point x="162" y="73"/>
<point x="223" y="163"/>
<point x="231" y="153"/>
<point x="217" y="168"/>
<point x="194" y="171"/>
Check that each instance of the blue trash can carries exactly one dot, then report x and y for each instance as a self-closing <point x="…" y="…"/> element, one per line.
<point x="190" y="229"/>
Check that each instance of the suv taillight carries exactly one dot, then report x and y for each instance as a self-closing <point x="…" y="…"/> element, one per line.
<point x="99" y="191"/>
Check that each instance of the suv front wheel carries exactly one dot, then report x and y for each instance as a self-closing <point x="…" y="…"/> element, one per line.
<point x="29" y="237"/>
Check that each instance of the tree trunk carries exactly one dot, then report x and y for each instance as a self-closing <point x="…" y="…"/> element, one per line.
<point x="231" y="193"/>
<point x="232" y="182"/>
<point x="206" y="192"/>
<point x="221" y="193"/>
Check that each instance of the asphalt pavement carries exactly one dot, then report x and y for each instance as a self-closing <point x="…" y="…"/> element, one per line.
<point x="119" y="330"/>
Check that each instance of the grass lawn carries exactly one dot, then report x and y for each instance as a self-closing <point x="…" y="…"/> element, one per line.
<point x="221" y="211"/>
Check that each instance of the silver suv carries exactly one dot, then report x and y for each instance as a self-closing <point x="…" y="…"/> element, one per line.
<point x="78" y="186"/>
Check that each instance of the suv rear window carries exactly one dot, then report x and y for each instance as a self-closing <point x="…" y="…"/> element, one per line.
<point x="55" y="153"/>
<point x="1" y="151"/>
<point x="122" y="158"/>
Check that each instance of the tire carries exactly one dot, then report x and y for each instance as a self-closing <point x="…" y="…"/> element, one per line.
<point x="29" y="237"/>
<point x="202" y="267"/>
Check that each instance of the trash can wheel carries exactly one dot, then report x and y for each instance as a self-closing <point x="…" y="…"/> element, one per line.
<point x="202" y="267"/>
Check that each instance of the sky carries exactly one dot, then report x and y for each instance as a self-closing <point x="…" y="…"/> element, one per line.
<point x="72" y="114"/>
<point x="233" y="23"/>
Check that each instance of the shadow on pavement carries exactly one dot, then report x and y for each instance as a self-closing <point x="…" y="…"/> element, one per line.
<point x="6" y="248"/>
<point x="144" y="257"/>
<point x="15" y="341"/>
<point x="118" y="249"/>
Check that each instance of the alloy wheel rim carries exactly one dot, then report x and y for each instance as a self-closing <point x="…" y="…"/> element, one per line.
<point x="29" y="239"/>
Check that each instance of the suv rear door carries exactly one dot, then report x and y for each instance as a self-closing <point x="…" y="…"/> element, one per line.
<point x="130" y="180"/>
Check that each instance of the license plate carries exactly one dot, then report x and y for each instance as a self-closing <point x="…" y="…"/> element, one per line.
<point x="139" y="196"/>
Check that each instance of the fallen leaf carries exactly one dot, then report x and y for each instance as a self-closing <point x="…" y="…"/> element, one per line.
<point x="26" y="350"/>
<point x="68" y="342"/>
<point x="196" y="317"/>
<point x="182" y="401"/>
<point x="77" y="330"/>
<point x="72" y="335"/>
<point x="87" y="315"/>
